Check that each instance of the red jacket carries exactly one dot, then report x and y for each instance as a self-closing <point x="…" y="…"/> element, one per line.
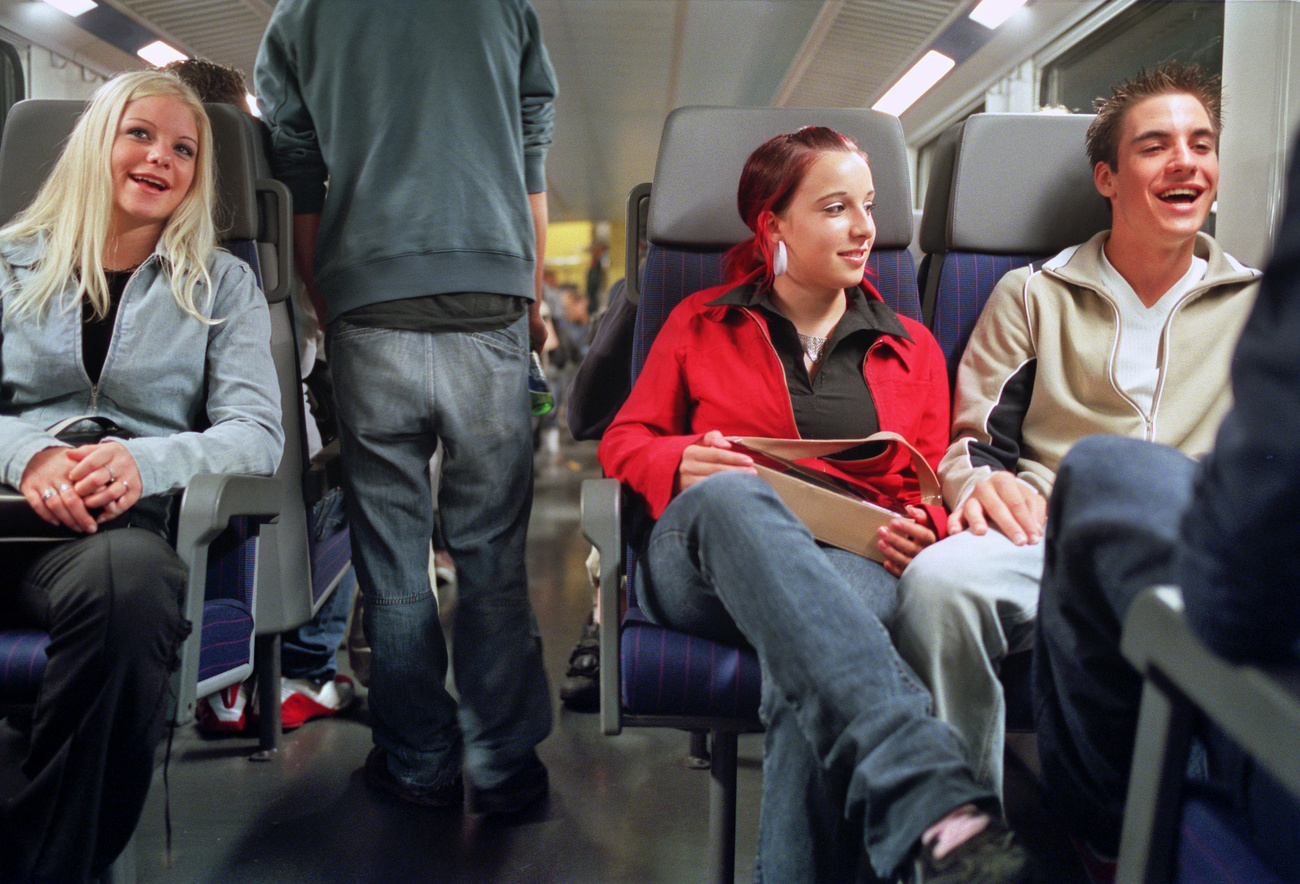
<point x="714" y="368"/>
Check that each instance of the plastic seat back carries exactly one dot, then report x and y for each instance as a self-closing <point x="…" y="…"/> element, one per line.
<point x="1005" y="190"/>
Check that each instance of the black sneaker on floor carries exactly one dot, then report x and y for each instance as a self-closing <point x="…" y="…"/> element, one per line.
<point x="580" y="690"/>
<point x="379" y="777"/>
<point x="993" y="856"/>
<point x="522" y="792"/>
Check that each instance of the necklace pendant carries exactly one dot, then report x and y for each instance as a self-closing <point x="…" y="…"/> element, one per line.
<point x="813" y="347"/>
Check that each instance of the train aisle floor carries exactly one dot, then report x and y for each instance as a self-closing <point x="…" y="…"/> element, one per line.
<point x="622" y="809"/>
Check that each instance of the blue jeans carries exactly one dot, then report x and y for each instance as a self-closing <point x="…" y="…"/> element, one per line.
<point x="853" y="757"/>
<point x="399" y="394"/>
<point x="311" y="650"/>
<point x="1112" y="531"/>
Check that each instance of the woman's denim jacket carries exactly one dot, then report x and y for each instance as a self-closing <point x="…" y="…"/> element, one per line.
<point x="200" y="398"/>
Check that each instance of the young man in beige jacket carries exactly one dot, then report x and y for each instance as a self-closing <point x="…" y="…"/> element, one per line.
<point x="1130" y="333"/>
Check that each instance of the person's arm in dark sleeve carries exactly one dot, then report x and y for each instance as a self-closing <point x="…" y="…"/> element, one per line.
<point x="1239" y="566"/>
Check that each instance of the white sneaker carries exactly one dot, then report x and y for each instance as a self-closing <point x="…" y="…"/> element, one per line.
<point x="302" y="699"/>
<point x="224" y="712"/>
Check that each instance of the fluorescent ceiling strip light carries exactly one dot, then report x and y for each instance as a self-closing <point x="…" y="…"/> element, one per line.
<point x="159" y="53"/>
<point x="991" y="13"/>
<point x="250" y="101"/>
<point x="915" y="83"/>
<point x="73" y="7"/>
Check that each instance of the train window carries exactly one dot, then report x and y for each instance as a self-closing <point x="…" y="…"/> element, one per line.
<point x="1142" y="36"/>
<point x="11" y="78"/>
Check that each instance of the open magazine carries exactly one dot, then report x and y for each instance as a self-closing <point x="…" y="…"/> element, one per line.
<point x="831" y="508"/>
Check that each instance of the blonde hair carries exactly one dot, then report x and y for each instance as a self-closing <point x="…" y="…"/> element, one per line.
<point x="73" y="209"/>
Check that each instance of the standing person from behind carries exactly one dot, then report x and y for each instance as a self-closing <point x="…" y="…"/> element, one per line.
<point x="1129" y="334"/>
<point x="117" y="302"/>
<point x="424" y="259"/>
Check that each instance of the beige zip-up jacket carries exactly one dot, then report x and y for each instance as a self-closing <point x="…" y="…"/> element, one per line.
<point x="1039" y="371"/>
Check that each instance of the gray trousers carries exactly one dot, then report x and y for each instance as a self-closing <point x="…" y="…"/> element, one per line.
<point x="963" y="605"/>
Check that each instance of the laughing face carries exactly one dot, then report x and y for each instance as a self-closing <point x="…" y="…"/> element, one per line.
<point x="153" y="161"/>
<point x="827" y="228"/>
<point x="1168" y="171"/>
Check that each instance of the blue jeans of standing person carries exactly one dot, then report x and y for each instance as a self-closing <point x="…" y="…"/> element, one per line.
<point x="311" y="650"/>
<point x="853" y="757"/>
<point x="399" y="394"/>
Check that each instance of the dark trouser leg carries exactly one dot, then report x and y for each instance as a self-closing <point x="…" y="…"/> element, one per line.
<point x="111" y="603"/>
<point x="1111" y="533"/>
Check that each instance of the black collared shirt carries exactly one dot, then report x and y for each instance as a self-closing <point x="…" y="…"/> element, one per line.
<point x="836" y="403"/>
<point x="96" y="333"/>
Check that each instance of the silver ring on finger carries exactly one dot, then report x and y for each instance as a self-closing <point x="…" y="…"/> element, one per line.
<point x="125" y="488"/>
<point x="64" y="488"/>
<point x="112" y="477"/>
<point x="48" y="493"/>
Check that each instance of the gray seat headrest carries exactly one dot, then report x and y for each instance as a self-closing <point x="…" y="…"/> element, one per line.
<point x="703" y="151"/>
<point x="1012" y="184"/>
<point x="36" y="129"/>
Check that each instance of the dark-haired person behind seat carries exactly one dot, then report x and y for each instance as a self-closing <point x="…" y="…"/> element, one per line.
<point x="797" y="344"/>
<point x="117" y="302"/>
<point x="1115" y="529"/>
<point x="1129" y="333"/>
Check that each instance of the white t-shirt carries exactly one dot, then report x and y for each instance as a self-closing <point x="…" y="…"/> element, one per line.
<point x="1137" y="358"/>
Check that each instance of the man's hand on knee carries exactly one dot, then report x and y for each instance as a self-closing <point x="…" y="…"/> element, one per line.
<point x="1006" y="503"/>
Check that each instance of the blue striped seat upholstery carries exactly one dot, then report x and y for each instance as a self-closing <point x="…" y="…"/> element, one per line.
<point x="22" y="664"/>
<point x="227" y="639"/>
<point x="1213" y="849"/>
<point x="965" y="282"/>
<point x="980" y="222"/>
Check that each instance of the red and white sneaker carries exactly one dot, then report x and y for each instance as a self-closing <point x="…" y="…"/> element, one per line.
<point x="225" y="712"/>
<point x="302" y="699"/>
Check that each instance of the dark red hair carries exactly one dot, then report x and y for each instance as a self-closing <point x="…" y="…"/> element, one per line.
<point x="772" y="174"/>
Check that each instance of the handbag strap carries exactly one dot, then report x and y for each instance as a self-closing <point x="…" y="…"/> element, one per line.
<point x="108" y="425"/>
<point x="787" y="451"/>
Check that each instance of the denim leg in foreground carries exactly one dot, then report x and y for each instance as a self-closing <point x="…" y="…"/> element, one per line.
<point x="728" y="561"/>
<point x="1111" y="533"/>
<point x="484" y="501"/>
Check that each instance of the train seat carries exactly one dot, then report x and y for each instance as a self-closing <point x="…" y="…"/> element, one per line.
<point x="656" y="677"/>
<point x="256" y="578"/>
<point x="1171" y="831"/>
<point x="301" y="558"/>
<point x="1005" y="190"/>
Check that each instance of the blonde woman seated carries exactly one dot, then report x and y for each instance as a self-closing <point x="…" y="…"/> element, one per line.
<point x="115" y="301"/>
<point x="797" y="343"/>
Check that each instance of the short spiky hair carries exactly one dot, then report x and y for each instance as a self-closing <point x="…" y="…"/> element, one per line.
<point x="1166" y="78"/>
<point x="211" y="81"/>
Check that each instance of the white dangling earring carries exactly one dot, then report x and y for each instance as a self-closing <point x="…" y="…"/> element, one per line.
<point x="779" y="260"/>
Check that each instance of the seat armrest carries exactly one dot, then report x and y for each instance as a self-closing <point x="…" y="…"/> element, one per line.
<point x="1258" y="708"/>
<point x="211" y="500"/>
<point x="207" y="505"/>
<point x="602" y="525"/>
<point x="282" y="211"/>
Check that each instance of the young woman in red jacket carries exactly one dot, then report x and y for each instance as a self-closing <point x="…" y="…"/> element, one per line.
<point x="798" y="344"/>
